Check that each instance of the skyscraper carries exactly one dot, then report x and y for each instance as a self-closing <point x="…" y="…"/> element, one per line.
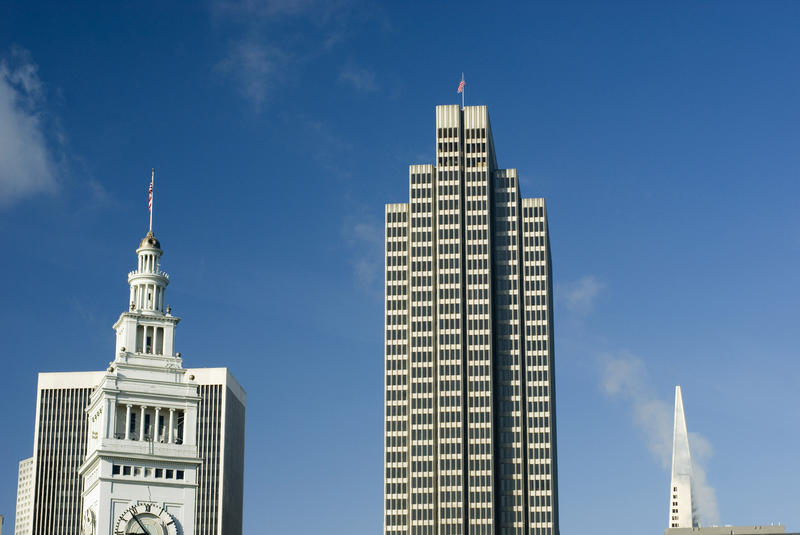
<point x="470" y="416"/>
<point x="682" y="511"/>
<point x="144" y="445"/>
<point x="24" y="517"/>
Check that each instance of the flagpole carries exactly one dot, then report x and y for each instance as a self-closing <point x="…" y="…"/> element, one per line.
<point x="152" y="180"/>
<point x="463" y="90"/>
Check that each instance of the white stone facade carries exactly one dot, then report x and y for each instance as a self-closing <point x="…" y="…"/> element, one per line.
<point x="24" y="518"/>
<point x="142" y="436"/>
<point x="470" y="431"/>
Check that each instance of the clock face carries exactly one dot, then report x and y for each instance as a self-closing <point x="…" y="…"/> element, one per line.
<point x="145" y="519"/>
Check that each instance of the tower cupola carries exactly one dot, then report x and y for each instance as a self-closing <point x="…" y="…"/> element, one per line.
<point x="148" y="283"/>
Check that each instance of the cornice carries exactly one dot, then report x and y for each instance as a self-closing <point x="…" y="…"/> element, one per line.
<point x="156" y="318"/>
<point x="110" y="455"/>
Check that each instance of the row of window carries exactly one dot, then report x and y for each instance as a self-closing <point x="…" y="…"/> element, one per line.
<point x="469" y="133"/>
<point x="421" y="193"/>
<point x="421" y="251"/>
<point x="147" y="472"/>
<point x="420" y="221"/>
<point x="396" y="231"/>
<point x="476" y="162"/>
<point x="396" y="275"/>
<point x="421" y="207"/>
<point x="396" y="260"/>
<point x="396" y="304"/>
<point x="396" y="442"/>
<point x="533" y="211"/>
<point x="395" y="350"/>
<point x="396" y="380"/>
<point x="396" y="217"/>
<point x="396" y="289"/>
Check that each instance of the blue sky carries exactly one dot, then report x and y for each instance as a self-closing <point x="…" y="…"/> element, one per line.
<point x="663" y="135"/>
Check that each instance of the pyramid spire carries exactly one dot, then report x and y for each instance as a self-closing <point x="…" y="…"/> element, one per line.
<point x="681" y="505"/>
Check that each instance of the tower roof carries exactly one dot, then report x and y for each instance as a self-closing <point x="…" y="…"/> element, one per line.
<point x="150" y="241"/>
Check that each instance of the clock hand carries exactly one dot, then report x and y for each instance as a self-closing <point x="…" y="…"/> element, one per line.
<point x="144" y="529"/>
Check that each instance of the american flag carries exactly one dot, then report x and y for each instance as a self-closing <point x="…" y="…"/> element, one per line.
<point x="461" y="86"/>
<point x="150" y="197"/>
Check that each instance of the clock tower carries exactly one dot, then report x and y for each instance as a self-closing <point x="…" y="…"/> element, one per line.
<point x="140" y="473"/>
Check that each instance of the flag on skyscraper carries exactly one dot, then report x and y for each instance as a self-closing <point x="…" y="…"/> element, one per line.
<point x="461" y="84"/>
<point x="150" y="196"/>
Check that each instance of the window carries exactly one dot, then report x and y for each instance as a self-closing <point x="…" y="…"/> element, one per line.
<point x="178" y="474"/>
<point x="159" y="472"/>
<point x="126" y="470"/>
<point x="115" y="469"/>
<point x="169" y="474"/>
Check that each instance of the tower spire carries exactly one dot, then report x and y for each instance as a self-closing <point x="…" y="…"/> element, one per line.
<point x="147" y="326"/>
<point x="681" y="505"/>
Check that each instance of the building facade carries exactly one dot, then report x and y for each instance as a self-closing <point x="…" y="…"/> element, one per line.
<point x="24" y="516"/>
<point x="470" y="415"/>
<point x="145" y="444"/>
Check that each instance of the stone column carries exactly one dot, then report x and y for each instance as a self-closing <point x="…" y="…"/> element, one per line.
<point x="128" y="422"/>
<point x="171" y="420"/>
<point x="141" y="425"/>
<point x="155" y="426"/>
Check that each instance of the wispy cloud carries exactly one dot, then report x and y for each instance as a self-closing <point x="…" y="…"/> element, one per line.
<point x="27" y="165"/>
<point x="580" y="296"/>
<point x="263" y="10"/>
<point x="275" y="39"/>
<point x="359" y="78"/>
<point x="330" y="145"/>
<point x="366" y="243"/>
<point x="625" y="376"/>
<point x="256" y="68"/>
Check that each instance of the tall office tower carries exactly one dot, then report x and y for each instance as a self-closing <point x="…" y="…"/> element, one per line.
<point x="682" y="512"/>
<point x="146" y="445"/>
<point x="24" y="516"/>
<point x="470" y="425"/>
<point x="59" y="447"/>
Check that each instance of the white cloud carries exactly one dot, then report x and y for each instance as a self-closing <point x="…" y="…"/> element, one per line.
<point x="268" y="9"/>
<point x="256" y="67"/>
<point x="366" y="242"/>
<point x="278" y="38"/>
<point x="705" y="497"/>
<point x="26" y="164"/>
<point x="625" y="376"/>
<point x="580" y="295"/>
<point x="359" y="78"/>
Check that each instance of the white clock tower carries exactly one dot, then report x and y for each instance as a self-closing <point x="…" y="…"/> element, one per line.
<point x="140" y="473"/>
